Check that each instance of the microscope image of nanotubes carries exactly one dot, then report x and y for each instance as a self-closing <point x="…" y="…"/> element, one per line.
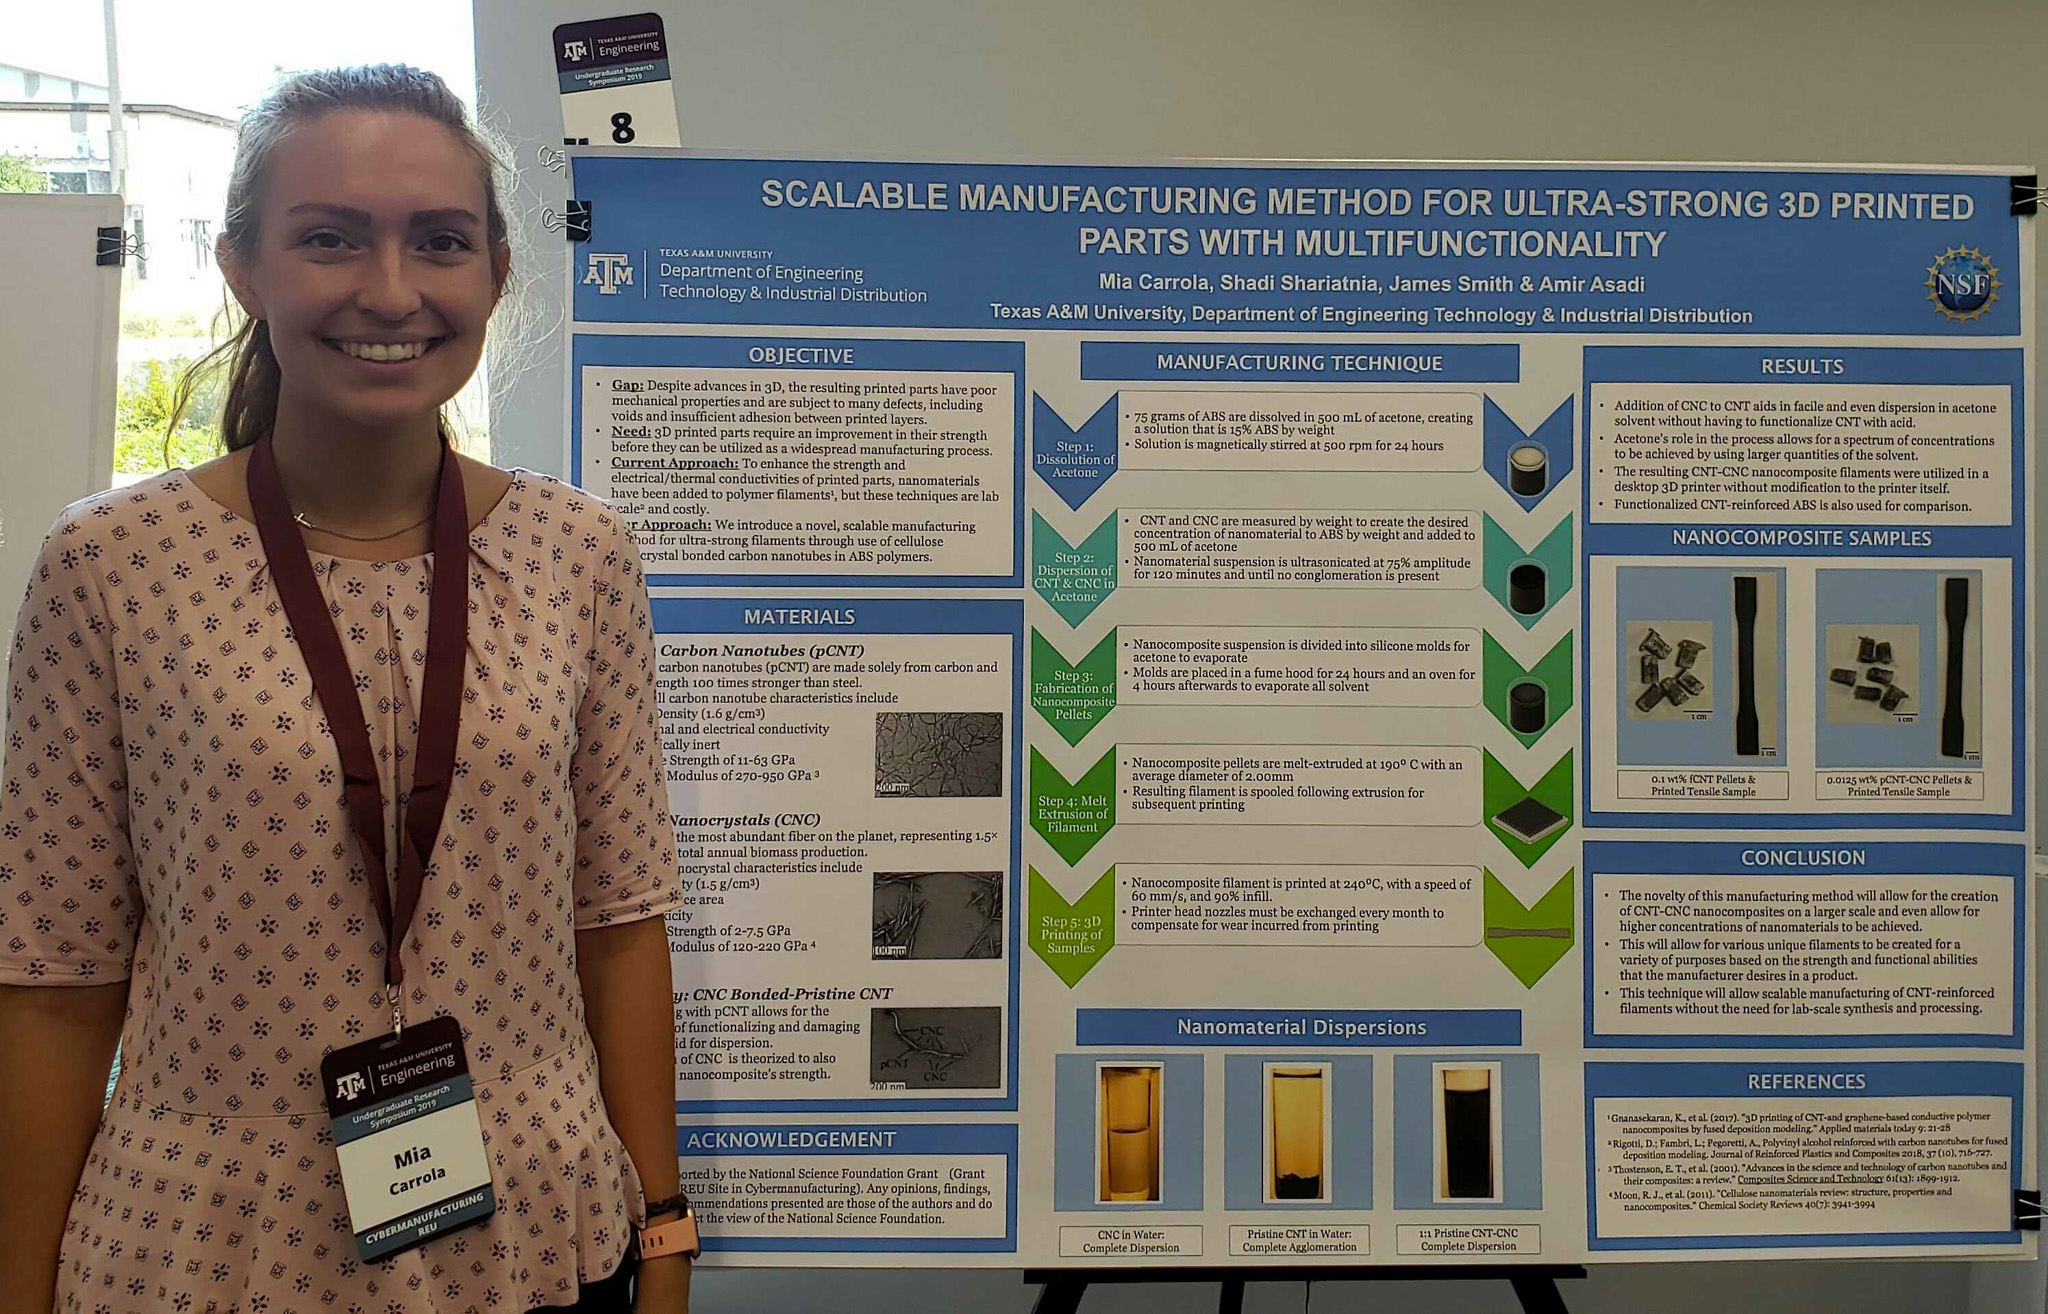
<point x="936" y="1048"/>
<point x="938" y="754"/>
<point x="938" y="914"/>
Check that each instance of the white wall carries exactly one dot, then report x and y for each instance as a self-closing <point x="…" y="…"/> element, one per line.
<point x="1948" y="81"/>
<point x="14" y="85"/>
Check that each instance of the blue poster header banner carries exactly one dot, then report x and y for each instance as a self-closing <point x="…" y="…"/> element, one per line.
<point x="1237" y="248"/>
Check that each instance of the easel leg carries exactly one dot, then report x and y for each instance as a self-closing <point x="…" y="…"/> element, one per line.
<point x="1062" y="1295"/>
<point x="1538" y="1295"/>
<point x="1232" y="1299"/>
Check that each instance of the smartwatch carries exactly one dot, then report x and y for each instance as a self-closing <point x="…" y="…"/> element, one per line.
<point x="678" y="1236"/>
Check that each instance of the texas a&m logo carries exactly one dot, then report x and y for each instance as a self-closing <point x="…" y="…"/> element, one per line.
<point x="609" y="271"/>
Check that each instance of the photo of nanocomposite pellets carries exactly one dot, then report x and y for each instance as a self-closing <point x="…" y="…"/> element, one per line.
<point x="938" y="915"/>
<point x="1700" y="664"/>
<point x="938" y="754"/>
<point x="1901" y="658"/>
<point x="1128" y="1109"/>
<point x="936" y="1048"/>
<point x="1873" y="674"/>
<point x="1674" y="669"/>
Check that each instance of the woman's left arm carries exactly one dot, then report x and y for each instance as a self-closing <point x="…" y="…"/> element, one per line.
<point x="627" y="1005"/>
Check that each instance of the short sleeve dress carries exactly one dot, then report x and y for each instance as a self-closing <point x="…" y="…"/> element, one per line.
<point x="172" y="814"/>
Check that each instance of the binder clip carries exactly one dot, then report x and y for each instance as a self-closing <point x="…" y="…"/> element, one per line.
<point x="2026" y="1211"/>
<point x="2026" y="193"/>
<point x="554" y="158"/>
<point x="113" y="246"/>
<point x="574" y="220"/>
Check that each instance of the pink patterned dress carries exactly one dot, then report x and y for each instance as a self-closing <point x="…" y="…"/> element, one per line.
<point x="172" y="814"/>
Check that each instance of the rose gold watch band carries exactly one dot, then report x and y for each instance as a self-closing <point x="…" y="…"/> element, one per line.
<point x="678" y="1236"/>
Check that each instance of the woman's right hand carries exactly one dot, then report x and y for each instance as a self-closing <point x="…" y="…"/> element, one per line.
<point x="59" y="1046"/>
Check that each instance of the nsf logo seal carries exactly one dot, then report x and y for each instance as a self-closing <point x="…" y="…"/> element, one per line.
<point x="1962" y="284"/>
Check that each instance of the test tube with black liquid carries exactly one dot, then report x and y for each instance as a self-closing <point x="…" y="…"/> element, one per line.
<point x="1467" y="1113"/>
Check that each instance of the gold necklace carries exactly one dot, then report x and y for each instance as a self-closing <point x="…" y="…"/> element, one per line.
<point x="361" y="538"/>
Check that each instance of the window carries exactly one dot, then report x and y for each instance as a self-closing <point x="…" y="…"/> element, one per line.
<point x="77" y="182"/>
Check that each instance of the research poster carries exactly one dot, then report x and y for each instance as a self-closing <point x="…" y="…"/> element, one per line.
<point x="1288" y="715"/>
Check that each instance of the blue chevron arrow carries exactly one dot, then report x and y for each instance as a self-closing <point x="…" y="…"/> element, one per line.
<point x="1073" y="462"/>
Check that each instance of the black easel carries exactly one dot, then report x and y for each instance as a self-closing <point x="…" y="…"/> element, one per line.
<point x="1535" y="1284"/>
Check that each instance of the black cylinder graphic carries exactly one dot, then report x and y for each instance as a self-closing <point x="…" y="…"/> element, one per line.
<point x="1526" y="589"/>
<point x="1468" y="1170"/>
<point x="1528" y="707"/>
<point x="1528" y="470"/>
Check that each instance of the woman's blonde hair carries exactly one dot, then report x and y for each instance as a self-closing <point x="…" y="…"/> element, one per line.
<point x="249" y="406"/>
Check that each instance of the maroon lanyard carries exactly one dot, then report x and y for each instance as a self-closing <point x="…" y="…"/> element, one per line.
<point x="312" y="622"/>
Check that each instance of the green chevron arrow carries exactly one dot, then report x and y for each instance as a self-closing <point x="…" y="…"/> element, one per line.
<point x="1072" y="937"/>
<point x="1073" y="578"/>
<point x="1553" y="673"/>
<point x="1529" y="940"/>
<point x="1073" y="698"/>
<point x="1072" y="817"/>
<point x="1553" y="554"/>
<point x="1528" y="818"/>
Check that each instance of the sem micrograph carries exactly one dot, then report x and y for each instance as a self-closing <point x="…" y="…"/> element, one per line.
<point x="936" y="1048"/>
<point x="938" y="754"/>
<point x="938" y="914"/>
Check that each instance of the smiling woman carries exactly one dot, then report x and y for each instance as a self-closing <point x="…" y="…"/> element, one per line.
<point x="345" y="754"/>
<point x="376" y="237"/>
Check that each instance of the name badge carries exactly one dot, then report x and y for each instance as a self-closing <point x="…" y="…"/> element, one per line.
<point x="407" y="1134"/>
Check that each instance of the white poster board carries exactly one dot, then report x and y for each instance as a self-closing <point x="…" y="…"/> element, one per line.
<point x="60" y="316"/>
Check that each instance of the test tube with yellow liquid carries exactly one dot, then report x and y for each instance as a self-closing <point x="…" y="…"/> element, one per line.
<point x="1296" y="1149"/>
<point x="1129" y="1153"/>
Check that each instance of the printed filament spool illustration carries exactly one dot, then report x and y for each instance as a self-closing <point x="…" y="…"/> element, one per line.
<point x="1468" y="1132"/>
<point x="1129" y="1150"/>
<point x="1528" y="707"/>
<point x="1528" y="469"/>
<point x="1297" y="1150"/>
<point x="1528" y="588"/>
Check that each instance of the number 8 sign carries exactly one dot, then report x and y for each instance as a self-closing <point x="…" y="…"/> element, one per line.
<point x="615" y="83"/>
